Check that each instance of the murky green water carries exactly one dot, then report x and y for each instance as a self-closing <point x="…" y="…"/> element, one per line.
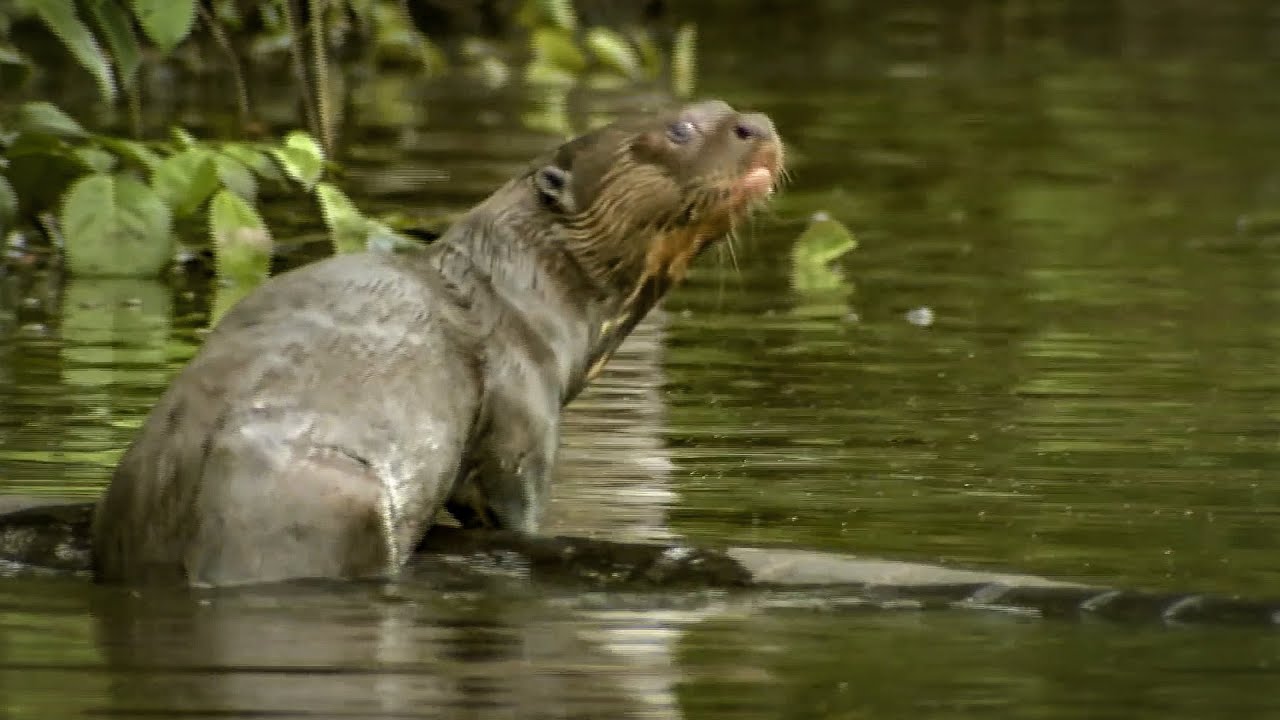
<point x="1088" y="216"/>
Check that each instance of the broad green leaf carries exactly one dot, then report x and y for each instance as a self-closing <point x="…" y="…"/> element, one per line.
<point x="651" y="56"/>
<point x="113" y="225"/>
<point x="237" y="178"/>
<point x="132" y="151"/>
<point x="185" y="180"/>
<point x="182" y="137"/>
<point x="254" y="159"/>
<point x="614" y="52"/>
<point x="96" y="159"/>
<point x="301" y="158"/>
<point x="61" y="19"/>
<point x="10" y="55"/>
<point x="44" y="117"/>
<point x="557" y="49"/>
<point x="166" y="22"/>
<point x="545" y="74"/>
<point x="550" y="112"/>
<point x="40" y="169"/>
<point x="114" y="23"/>
<point x="241" y="241"/>
<point x="825" y="240"/>
<point x="350" y="229"/>
<point x="559" y="13"/>
<point x="8" y="208"/>
<point x="684" y="60"/>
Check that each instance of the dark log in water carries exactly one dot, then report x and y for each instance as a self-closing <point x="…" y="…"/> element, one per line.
<point x="46" y="535"/>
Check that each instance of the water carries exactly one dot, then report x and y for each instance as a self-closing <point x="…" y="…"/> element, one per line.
<point x="1085" y="213"/>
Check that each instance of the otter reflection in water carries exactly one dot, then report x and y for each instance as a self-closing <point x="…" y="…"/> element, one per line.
<point x="337" y="408"/>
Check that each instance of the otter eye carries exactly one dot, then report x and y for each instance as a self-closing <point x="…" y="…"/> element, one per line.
<point x="681" y="131"/>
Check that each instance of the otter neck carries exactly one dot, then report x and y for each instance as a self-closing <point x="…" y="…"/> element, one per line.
<point x="510" y="245"/>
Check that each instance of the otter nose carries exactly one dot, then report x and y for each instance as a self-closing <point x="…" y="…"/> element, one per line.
<point x="753" y="126"/>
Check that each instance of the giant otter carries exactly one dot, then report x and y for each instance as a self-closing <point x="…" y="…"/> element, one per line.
<point x="336" y="409"/>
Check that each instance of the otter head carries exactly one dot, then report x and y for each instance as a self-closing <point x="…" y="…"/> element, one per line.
<point x="639" y="199"/>
<point x="642" y="197"/>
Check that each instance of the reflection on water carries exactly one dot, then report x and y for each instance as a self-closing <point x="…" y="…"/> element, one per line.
<point x="1087" y="210"/>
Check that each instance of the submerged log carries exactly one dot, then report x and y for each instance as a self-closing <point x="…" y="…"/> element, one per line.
<point x="43" y="535"/>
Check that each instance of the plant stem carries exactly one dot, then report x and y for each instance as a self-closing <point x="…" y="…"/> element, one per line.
<point x="300" y="67"/>
<point x="320" y="58"/>
<point x="237" y="74"/>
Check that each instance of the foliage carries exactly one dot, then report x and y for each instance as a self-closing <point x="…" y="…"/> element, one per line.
<point x="118" y="202"/>
<point x="120" y="205"/>
<point x="820" y="287"/>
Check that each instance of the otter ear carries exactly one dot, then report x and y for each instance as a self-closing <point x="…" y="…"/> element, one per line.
<point x="552" y="182"/>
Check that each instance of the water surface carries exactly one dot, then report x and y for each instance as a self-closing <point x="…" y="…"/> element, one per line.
<point x="1055" y="351"/>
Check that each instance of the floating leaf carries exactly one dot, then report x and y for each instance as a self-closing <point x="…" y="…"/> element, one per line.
<point x="44" y="117"/>
<point x="301" y="157"/>
<point x="8" y="208"/>
<point x="684" y="60"/>
<point x="115" y="25"/>
<point x="825" y="240"/>
<point x="61" y="18"/>
<point x="614" y="52"/>
<point x="166" y="22"/>
<point x="241" y="240"/>
<point x="116" y="226"/>
<point x="186" y="179"/>
<point x="236" y="177"/>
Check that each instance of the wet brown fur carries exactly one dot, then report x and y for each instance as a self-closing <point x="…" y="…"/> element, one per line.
<point x="338" y="407"/>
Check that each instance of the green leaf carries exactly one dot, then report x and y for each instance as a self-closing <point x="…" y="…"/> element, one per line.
<point x="10" y="55"/>
<point x="166" y="22"/>
<point x="301" y="157"/>
<point x="350" y="229"/>
<point x="185" y="180"/>
<point x="559" y="13"/>
<point x="235" y="177"/>
<point x="684" y="60"/>
<point x="115" y="25"/>
<point x="347" y="225"/>
<point x="614" y="52"/>
<point x="132" y="151"/>
<point x="183" y="138"/>
<point x="257" y="160"/>
<point x="8" y="208"/>
<point x="241" y="240"/>
<point x="113" y="225"/>
<point x="96" y="159"/>
<point x="557" y="49"/>
<point x="61" y="19"/>
<point x="40" y="169"/>
<point x="825" y="240"/>
<point x="44" y="117"/>
<point x="651" y="56"/>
